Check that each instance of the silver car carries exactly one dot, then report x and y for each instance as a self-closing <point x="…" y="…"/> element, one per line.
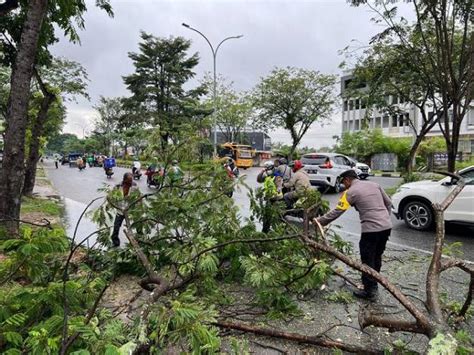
<point x="324" y="169"/>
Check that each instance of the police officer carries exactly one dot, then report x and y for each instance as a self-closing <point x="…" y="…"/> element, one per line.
<point x="374" y="206"/>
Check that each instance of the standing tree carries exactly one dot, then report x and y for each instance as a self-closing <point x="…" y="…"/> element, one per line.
<point x="293" y="99"/>
<point x="233" y="109"/>
<point x="385" y="69"/>
<point x="27" y="33"/>
<point x="110" y="112"/>
<point x="162" y="67"/>
<point x="438" y="51"/>
<point x="63" y="80"/>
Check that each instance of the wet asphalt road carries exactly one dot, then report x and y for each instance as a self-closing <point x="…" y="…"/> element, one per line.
<point x="79" y="188"/>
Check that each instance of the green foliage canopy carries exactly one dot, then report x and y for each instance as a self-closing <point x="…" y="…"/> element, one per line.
<point x="293" y="99"/>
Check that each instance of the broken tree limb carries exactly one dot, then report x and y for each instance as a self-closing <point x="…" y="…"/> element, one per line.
<point x="299" y="338"/>
<point x="433" y="303"/>
<point x="422" y="320"/>
<point x="467" y="303"/>
<point x="392" y="324"/>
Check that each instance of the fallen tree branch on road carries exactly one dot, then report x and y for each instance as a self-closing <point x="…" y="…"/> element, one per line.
<point x="299" y="338"/>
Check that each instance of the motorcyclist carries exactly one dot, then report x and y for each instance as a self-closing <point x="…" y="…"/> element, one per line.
<point x="109" y="164"/>
<point x="282" y="173"/>
<point x="80" y="163"/>
<point x="231" y="169"/>
<point x="271" y="192"/>
<point x="136" y="169"/>
<point x="175" y="173"/>
<point x="298" y="184"/>
<point x="90" y="161"/>
<point x="232" y="172"/>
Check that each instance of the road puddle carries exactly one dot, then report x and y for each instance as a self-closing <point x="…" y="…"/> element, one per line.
<point x="86" y="227"/>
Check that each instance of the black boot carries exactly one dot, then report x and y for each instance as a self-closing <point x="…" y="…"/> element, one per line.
<point x="369" y="294"/>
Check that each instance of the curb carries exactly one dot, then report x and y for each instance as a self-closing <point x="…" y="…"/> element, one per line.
<point x="389" y="175"/>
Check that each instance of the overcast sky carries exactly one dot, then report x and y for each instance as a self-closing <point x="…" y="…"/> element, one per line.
<point x="306" y="34"/>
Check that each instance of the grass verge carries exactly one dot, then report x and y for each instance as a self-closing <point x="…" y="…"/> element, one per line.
<point x="47" y="207"/>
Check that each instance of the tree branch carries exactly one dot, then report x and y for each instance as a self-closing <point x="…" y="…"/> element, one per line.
<point x="299" y="338"/>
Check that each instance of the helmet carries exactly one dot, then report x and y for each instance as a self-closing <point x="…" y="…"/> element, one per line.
<point x="268" y="165"/>
<point x="174" y="162"/>
<point x="283" y="161"/>
<point x="297" y="165"/>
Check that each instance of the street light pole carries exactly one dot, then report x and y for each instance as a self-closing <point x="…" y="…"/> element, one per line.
<point x="214" y="91"/>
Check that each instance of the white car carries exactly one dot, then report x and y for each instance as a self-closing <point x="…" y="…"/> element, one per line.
<point x="363" y="170"/>
<point x="324" y="169"/>
<point x="413" y="201"/>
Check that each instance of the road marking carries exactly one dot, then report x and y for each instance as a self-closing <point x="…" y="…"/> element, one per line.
<point x="405" y="246"/>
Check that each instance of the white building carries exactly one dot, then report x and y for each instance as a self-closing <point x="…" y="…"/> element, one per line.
<point x="354" y="111"/>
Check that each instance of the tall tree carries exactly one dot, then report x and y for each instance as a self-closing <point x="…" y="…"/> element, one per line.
<point x="11" y="175"/>
<point x="390" y="70"/>
<point x="110" y="112"/>
<point x="27" y="33"/>
<point x="441" y="43"/>
<point x="162" y="68"/>
<point x="233" y="109"/>
<point x="62" y="80"/>
<point x="293" y="99"/>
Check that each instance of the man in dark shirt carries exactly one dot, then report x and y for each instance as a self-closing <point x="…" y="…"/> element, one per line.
<point x="126" y="186"/>
<point x="374" y="206"/>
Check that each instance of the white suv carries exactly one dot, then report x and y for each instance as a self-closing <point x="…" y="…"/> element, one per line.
<point x="413" y="201"/>
<point x="324" y="169"/>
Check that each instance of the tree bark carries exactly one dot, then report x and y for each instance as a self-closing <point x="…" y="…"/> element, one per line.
<point x="12" y="173"/>
<point x="432" y="278"/>
<point x="425" y="325"/>
<point x="300" y="338"/>
<point x="412" y="154"/>
<point x="34" y="148"/>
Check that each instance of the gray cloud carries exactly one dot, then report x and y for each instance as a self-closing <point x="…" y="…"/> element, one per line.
<point x="305" y="34"/>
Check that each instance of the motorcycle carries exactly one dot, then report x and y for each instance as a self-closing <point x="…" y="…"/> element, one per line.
<point x="151" y="175"/>
<point x="109" y="172"/>
<point x="136" y="173"/>
<point x="232" y="173"/>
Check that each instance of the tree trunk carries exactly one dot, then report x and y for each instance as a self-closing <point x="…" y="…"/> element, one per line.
<point x="34" y="149"/>
<point x="412" y="154"/>
<point x="12" y="173"/>
<point x="453" y="147"/>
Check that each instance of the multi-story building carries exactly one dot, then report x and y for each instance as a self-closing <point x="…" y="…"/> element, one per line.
<point x="396" y="125"/>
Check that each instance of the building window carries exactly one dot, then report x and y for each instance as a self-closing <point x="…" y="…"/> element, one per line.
<point x="345" y="105"/>
<point x="344" y="126"/>
<point x="470" y="116"/>
<point x="356" y="125"/>
<point x="387" y="99"/>
<point x="406" y="119"/>
<point x="400" y="121"/>
<point x="401" y="100"/>
<point x="351" y="104"/>
<point x="394" y="120"/>
<point x="378" y="122"/>
<point x="363" y="103"/>
<point x="385" y="121"/>
<point x="357" y="104"/>
<point x="351" y="126"/>
<point x="394" y="99"/>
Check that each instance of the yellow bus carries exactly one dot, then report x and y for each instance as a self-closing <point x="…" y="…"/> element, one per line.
<point x="242" y="154"/>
